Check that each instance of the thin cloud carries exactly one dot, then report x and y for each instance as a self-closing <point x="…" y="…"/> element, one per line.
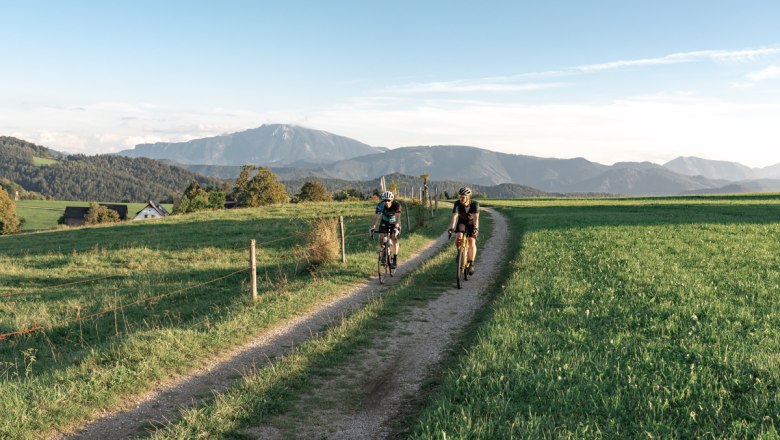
<point x="473" y="86"/>
<point x="771" y="72"/>
<point x="516" y="83"/>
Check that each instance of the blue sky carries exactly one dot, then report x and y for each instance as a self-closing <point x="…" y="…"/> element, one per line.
<point x="605" y="80"/>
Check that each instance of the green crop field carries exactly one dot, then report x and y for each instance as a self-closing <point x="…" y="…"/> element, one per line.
<point x="43" y="214"/>
<point x="628" y="318"/>
<point x="90" y="316"/>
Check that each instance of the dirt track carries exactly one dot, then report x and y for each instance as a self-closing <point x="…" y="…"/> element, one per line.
<point x="385" y="376"/>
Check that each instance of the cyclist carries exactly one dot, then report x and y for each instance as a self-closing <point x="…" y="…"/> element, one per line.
<point x="388" y="216"/>
<point x="465" y="220"/>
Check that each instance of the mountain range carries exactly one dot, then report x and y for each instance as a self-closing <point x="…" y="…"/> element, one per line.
<point x="296" y="152"/>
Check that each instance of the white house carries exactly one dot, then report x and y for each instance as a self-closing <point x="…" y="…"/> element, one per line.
<point x="151" y="210"/>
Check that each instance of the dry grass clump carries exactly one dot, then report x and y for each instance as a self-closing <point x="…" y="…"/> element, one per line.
<point x="322" y="242"/>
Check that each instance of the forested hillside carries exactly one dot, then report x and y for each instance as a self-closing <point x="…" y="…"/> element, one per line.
<point x="101" y="177"/>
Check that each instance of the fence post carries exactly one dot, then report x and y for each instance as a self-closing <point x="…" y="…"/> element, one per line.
<point x="436" y="200"/>
<point x="408" y="208"/>
<point x="430" y="204"/>
<point x="343" y="247"/>
<point x="253" y="269"/>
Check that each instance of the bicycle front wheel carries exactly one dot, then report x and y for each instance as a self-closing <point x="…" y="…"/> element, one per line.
<point x="379" y="265"/>
<point x="459" y="262"/>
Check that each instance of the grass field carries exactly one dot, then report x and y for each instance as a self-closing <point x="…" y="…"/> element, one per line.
<point x="44" y="161"/>
<point x="43" y="214"/>
<point x="628" y="318"/>
<point x="120" y="307"/>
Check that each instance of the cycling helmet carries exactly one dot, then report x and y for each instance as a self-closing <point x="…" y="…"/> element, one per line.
<point x="465" y="191"/>
<point x="387" y="195"/>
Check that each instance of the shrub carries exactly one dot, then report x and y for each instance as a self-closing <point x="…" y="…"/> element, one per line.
<point x="314" y="191"/>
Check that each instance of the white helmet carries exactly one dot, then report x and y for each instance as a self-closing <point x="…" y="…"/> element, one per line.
<point x="387" y="195"/>
<point x="465" y="191"/>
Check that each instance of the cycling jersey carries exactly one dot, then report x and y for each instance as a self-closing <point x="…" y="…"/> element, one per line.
<point x="390" y="214"/>
<point x="466" y="214"/>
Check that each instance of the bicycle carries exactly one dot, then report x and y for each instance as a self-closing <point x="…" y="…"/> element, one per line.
<point x="384" y="263"/>
<point x="461" y="260"/>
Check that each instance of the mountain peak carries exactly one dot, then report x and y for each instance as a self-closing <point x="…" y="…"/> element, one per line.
<point x="269" y="144"/>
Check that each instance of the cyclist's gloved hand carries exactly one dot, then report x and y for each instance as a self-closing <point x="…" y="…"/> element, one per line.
<point x="476" y="232"/>
<point x="371" y="232"/>
<point x="450" y="231"/>
<point x="397" y="232"/>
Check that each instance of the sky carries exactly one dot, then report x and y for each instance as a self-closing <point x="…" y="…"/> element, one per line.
<point x="609" y="81"/>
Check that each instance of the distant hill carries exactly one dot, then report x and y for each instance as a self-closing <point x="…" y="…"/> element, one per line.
<point x="268" y="145"/>
<point x="99" y="178"/>
<point x="648" y="181"/>
<point x="746" y="186"/>
<point x="711" y="169"/>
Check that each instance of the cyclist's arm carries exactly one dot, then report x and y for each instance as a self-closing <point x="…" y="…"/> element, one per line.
<point x="375" y="222"/>
<point x="476" y="220"/>
<point x="454" y="220"/>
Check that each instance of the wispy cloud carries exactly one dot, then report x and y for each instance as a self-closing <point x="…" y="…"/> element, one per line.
<point x="771" y="72"/>
<point x="522" y="82"/>
<point x="469" y="86"/>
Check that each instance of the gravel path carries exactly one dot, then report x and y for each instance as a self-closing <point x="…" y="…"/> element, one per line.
<point x="158" y="407"/>
<point x="370" y="392"/>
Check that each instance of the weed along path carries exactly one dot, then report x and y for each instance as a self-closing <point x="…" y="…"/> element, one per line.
<point x="365" y="395"/>
<point x="159" y="408"/>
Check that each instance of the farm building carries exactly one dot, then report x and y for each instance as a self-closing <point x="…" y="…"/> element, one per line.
<point x="74" y="215"/>
<point x="151" y="210"/>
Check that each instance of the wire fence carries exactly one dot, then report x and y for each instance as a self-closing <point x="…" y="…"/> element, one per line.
<point x="357" y="231"/>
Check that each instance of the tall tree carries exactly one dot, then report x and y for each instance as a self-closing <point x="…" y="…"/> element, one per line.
<point x="262" y="189"/>
<point x="314" y="191"/>
<point x="9" y="222"/>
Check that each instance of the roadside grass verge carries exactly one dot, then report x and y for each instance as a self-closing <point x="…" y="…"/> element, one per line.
<point x="274" y="389"/>
<point x="153" y="322"/>
<point x="626" y="318"/>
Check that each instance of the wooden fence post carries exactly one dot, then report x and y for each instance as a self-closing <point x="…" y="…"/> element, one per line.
<point x="408" y="207"/>
<point x="253" y="269"/>
<point x="343" y="247"/>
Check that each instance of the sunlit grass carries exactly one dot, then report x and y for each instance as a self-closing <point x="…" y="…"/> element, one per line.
<point x="136" y="320"/>
<point x="653" y="318"/>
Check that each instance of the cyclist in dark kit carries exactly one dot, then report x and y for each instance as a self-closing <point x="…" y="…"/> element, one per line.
<point x="388" y="216"/>
<point x="465" y="221"/>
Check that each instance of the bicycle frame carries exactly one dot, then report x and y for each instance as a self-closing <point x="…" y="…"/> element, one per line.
<point x="384" y="265"/>
<point x="461" y="260"/>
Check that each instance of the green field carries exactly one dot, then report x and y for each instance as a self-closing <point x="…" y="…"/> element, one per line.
<point x="44" y="161"/>
<point x="613" y="318"/>
<point x="105" y="312"/>
<point x="43" y="214"/>
<point x="635" y="318"/>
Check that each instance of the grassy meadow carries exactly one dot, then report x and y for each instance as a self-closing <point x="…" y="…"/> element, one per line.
<point x="43" y="214"/>
<point x="625" y="318"/>
<point x="120" y="307"/>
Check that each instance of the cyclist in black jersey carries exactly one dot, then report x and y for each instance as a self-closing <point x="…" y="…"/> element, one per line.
<point x="465" y="221"/>
<point x="388" y="217"/>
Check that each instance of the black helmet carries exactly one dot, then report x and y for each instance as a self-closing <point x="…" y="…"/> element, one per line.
<point x="465" y="191"/>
